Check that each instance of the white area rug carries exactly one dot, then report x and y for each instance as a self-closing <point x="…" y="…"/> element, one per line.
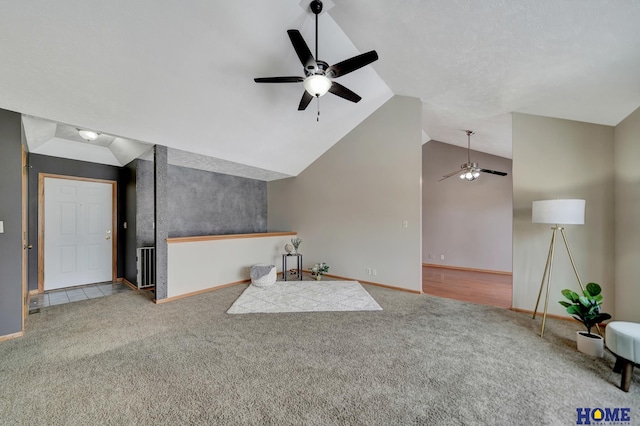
<point x="305" y="296"/>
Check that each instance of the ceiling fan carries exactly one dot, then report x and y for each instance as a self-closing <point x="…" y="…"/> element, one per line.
<point x="470" y="171"/>
<point x="319" y="75"/>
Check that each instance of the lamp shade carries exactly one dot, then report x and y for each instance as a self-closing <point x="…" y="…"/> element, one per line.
<point x="317" y="85"/>
<point x="559" y="212"/>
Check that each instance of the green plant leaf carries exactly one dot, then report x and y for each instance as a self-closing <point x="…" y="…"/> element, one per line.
<point x="594" y="289"/>
<point x="585" y="301"/>
<point x="565" y="304"/>
<point x="574" y="310"/>
<point x="571" y="295"/>
<point x="601" y="317"/>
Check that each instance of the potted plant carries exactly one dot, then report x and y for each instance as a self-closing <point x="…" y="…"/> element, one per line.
<point x="318" y="270"/>
<point x="586" y="309"/>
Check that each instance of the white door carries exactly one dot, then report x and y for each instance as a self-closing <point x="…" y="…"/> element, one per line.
<point x="77" y="232"/>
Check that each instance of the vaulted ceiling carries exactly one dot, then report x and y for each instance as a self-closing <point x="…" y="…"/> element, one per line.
<point x="181" y="74"/>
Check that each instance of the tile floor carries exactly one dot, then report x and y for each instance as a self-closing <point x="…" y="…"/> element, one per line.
<point x="73" y="294"/>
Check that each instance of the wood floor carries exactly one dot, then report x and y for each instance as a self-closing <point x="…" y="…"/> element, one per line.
<point x="478" y="287"/>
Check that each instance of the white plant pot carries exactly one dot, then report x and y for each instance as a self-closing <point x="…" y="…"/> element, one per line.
<point x="591" y="345"/>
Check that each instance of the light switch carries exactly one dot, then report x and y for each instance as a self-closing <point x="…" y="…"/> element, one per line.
<point x="1" y="226"/>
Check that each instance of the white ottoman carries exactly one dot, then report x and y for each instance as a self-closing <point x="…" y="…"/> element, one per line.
<point x="623" y="339"/>
<point x="263" y="275"/>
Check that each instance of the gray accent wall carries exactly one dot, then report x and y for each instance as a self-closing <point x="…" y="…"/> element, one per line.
<point x="208" y="203"/>
<point x="201" y="203"/>
<point x="555" y="158"/>
<point x="469" y="223"/>
<point x="62" y="166"/>
<point x="145" y="202"/>
<point x="627" y="218"/>
<point x="161" y="218"/>
<point x="350" y="204"/>
<point x="198" y="203"/>
<point x="11" y="215"/>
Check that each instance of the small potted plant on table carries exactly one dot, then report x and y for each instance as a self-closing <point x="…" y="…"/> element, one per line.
<point x="318" y="270"/>
<point x="586" y="309"/>
<point x="296" y="243"/>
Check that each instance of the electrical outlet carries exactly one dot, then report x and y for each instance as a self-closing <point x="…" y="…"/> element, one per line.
<point x="374" y="271"/>
<point x="405" y="224"/>
<point x="442" y="257"/>
<point x="368" y="271"/>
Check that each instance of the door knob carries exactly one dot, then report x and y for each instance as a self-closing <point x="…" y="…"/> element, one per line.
<point x="108" y="237"/>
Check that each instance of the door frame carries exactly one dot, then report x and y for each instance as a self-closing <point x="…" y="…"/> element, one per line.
<point x="25" y="240"/>
<point x="114" y="222"/>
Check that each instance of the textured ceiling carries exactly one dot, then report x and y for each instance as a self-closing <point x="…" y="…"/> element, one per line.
<point x="181" y="73"/>
<point x="472" y="63"/>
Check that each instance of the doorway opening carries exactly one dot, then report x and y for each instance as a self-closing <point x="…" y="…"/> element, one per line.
<point x="466" y="228"/>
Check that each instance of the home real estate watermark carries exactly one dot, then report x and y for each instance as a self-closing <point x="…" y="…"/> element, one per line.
<point x="603" y="416"/>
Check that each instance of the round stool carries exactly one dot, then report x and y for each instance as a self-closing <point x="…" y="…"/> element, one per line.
<point x="263" y="275"/>
<point x="623" y="339"/>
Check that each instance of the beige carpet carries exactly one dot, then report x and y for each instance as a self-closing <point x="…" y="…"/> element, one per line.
<point x="123" y="360"/>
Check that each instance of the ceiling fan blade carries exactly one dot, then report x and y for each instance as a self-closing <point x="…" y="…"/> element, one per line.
<point x="301" y="48"/>
<point x="493" y="172"/>
<point x="449" y="175"/>
<point x="351" y="64"/>
<point x="304" y="102"/>
<point x="339" y="90"/>
<point x="278" y="80"/>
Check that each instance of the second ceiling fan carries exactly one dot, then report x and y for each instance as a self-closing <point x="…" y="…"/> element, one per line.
<point x="319" y="75"/>
<point x="470" y="171"/>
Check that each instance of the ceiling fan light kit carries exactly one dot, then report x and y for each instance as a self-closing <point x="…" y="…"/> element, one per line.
<point x="470" y="170"/>
<point x="317" y="85"/>
<point x="319" y="75"/>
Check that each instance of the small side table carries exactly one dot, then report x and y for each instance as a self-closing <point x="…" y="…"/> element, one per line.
<point x="298" y="270"/>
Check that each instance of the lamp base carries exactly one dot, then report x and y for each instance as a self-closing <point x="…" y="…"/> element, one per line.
<point x="547" y="275"/>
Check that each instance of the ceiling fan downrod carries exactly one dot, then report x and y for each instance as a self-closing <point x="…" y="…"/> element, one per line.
<point x="316" y="8"/>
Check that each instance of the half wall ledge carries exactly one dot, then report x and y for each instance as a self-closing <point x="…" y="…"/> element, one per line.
<point x="204" y="263"/>
<point x="228" y="237"/>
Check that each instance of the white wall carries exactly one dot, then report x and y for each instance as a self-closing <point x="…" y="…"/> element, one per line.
<point x="627" y="215"/>
<point x="555" y="158"/>
<point x="195" y="266"/>
<point x="349" y="205"/>
<point x="470" y="223"/>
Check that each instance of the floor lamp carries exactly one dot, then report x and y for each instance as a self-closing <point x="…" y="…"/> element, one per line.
<point x="556" y="212"/>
